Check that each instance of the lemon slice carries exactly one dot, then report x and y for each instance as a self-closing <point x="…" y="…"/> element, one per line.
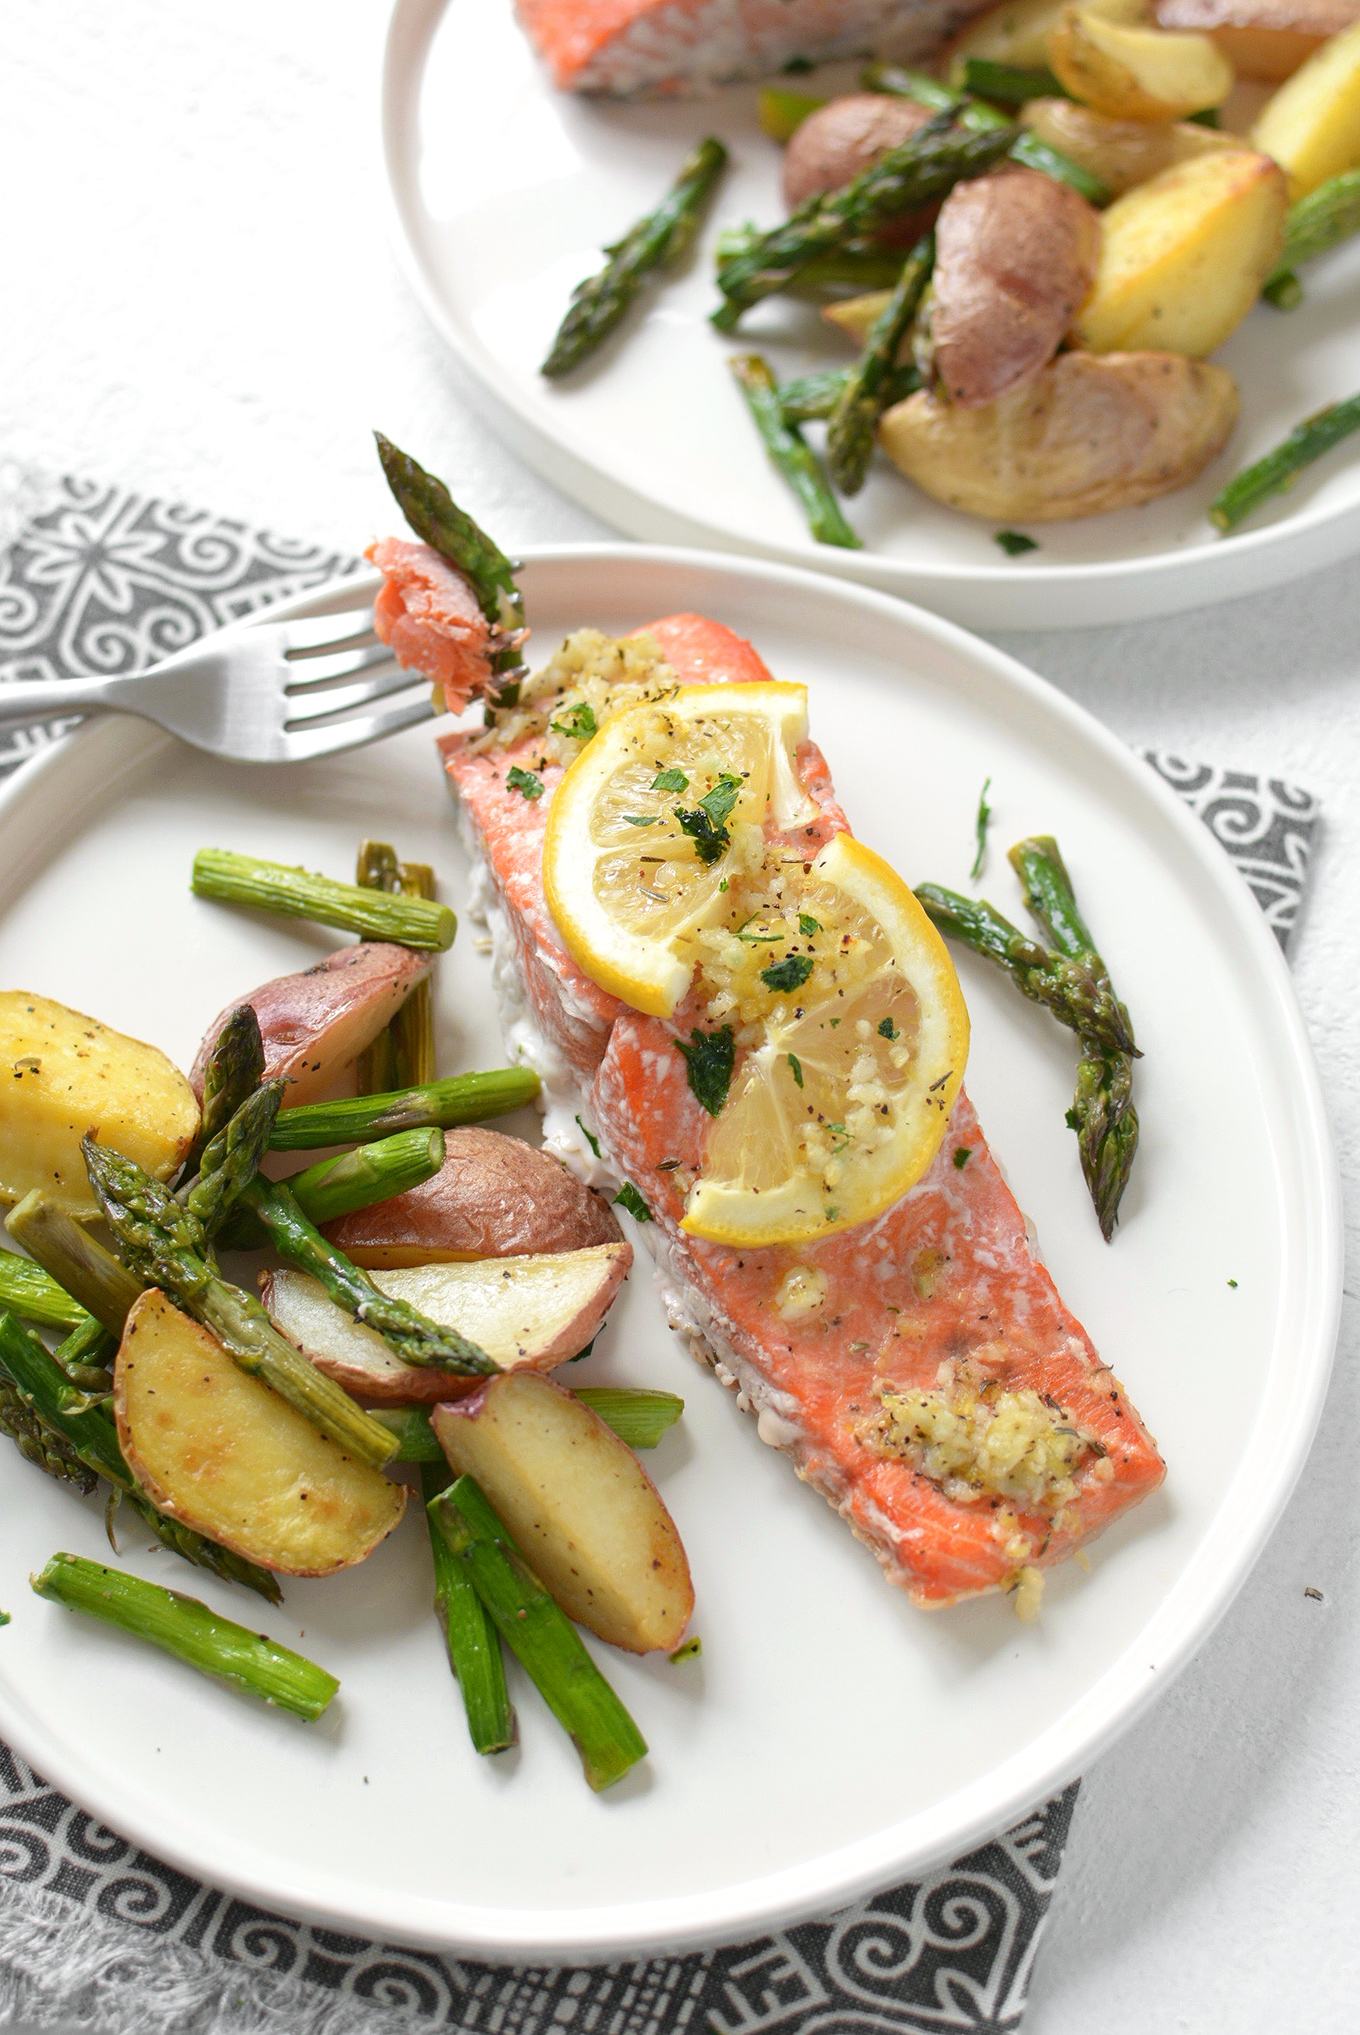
<point x="841" y="1101"/>
<point x="660" y="813"/>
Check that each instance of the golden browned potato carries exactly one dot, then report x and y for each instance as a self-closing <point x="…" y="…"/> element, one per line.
<point x="846" y="136"/>
<point x="1089" y="433"/>
<point x="1312" y="124"/>
<point x="221" y="1453"/>
<point x="1183" y="258"/>
<point x="1015" y="260"/>
<point x="494" y="1197"/>
<point x="1267" y="39"/>
<point x="1017" y="33"/>
<point x="1121" y="153"/>
<point x="855" y="315"/>
<point x="66" y="1074"/>
<point x="1136" y="73"/>
<point x="579" y="1506"/>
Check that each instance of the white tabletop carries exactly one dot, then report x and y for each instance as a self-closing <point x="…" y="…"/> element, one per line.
<point x="196" y="296"/>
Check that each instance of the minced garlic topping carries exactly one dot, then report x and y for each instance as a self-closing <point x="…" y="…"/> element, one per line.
<point x="974" y="1438"/>
<point x="585" y="683"/>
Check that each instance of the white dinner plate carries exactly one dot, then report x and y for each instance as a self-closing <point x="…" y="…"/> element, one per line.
<point x="832" y="1738"/>
<point x="504" y="192"/>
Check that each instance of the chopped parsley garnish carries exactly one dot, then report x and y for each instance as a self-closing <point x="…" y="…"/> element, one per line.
<point x="757" y="939"/>
<point x="887" y="1029"/>
<point x="962" y="1154"/>
<point x="706" y="825"/>
<point x="980" y="826"/>
<point x="723" y="884"/>
<point x="689" y="1651"/>
<point x="841" y="1135"/>
<point x="670" y="780"/>
<point x="592" y="1142"/>
<point x="524" y="781"/>
<point x="1232" y="1282"/>
<point x="629" y="1198"/>
<point x="639" y="819"/>
<point x="797" y="1066"/>
<point x="1015" y="543"/>
<point x="807" y="925"/>
<point x="790" y="973"/>
<point x="578" y="722"/>
<point x="708" y="1060"/>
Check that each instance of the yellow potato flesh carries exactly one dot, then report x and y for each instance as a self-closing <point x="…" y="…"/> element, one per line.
<point x="579" y="1506"/>
<point x="1017" y="33"/>
<point x="1121" y="153"/>
<point x="1311" y="126"/>
<point x="855" y="316"/>
<point x="222" y="1453"/>
<point x="1183" y="257"/>
<point x="63" y="1074"/>
<point x="1135" y="73"/>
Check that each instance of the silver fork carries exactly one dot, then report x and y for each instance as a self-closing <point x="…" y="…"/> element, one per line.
<point x="258" y="691"/>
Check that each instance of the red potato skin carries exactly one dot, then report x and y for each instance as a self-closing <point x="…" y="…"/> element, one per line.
<point x="840" y="140"/>
<point x="315" y="1024"/>
<point x="1265" y="39"/>
<point x="1015" y="260"/>
<point x="494" y="1197"/>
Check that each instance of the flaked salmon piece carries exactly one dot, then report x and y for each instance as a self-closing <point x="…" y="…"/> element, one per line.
<point x="920" y="1370"/>
<point x="429" y="616"/>
<point x="621" y="47"/>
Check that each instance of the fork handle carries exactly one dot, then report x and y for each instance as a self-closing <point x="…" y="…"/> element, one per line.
<point x="25" y="701"/>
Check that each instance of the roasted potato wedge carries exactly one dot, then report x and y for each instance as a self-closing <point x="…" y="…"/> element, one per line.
<point x="578" y="1504"/>
<point x="1015" y="260"/>
<point x="1266" y="39"/>
<point x="66" y="1074"/>
<point x="1183" y="257"/>
<point x="316" y="1023"/>
<point x="1121" y="153"/>
<point x="494" y="1197"/>
<point x="1017" y="33"/>
<point x="221" y="1453"/>
<point x="854" y="315"/>
<point x="1311" y="126"/>
<point x="1089" y="433"/>
<point x="1136" y="73"/>
<point x="533" y="1311"/>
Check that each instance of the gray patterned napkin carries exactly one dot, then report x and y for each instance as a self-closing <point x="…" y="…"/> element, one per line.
<point x="98" y="1935"/>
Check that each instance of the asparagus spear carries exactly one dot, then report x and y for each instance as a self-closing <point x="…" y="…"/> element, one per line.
<point x="809" y="397"/>
<point x="85" y="1426"/>
<point x="180" y="1625"/>
<point x="294" y="893"/>
<point x="462" y="1098"/>
<point x="161" y="1241"/>
<point x="412" y="1029"/>
<point x="235" y="1070"/>
<point x="859" y="265"/>
<point x="335" y="1187"/>
<point x="540" y="1635"/>
<point x="415" y="1338"/>
<point x="1077" y="992"/>
<point x="27" y="1290"/>
<point x="438" y="521"/>
<point x="658" y="241"/>
<point x="980" y="118"/>
<point x="637" y="1416"/>
<point x="1280" y="468"/>
<point x="1102" y="1113"/>
<point x="1009" y="84"/>
<point x="1316" y="222"/>
<point x="473" y="1643"/>
<point x="86" y="1356"/>
<point x="38" y="1444"/>
<point x="377" y="869"/>
<point x="782" y="113"/>
<point x="788" y="451"/>
<point x="925" y="166"/>
<point x="854" y="420"/>
<point x="232" y="1159"/>
<point x="89" y="1273"/>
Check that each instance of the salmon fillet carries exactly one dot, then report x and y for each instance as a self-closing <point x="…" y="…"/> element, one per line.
<point x="428" y="614"/>
<point x="870" y="1357"/>
<point x="621" y="47"/>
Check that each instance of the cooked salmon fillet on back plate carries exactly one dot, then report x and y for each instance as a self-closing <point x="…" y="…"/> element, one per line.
<point x="919" y="1369"/>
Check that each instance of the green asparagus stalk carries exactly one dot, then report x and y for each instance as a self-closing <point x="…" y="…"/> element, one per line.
<point x="86" y="1356"/>
<point x="415" y="1338"/>
<point x="1009" y="84"/>
<point x="462" y="1098"/>
<point x="294" y="893"/>
<point x="809" y="397"/>
<point x="854" y="421"/>
<point x="1280" y="468"/>
<point x="38" y="1444"/>
<point x="857" y="266"/>
<point x="232" y="1159"/>
<point x="89" y="1273"/>
<point x="375" y="1070"/>
<point x="637" y="1416"/>
<point x="25" y="1289"/>
<point x="473" y="1643"/>
<point x="438" y="521"/>
<point x="1317" y="222"/>
<point x="161" y="1240"/>
<point x="1077" y="993"/>
<point x="1102" y="1113"/>
<point x="412" y="1029"/>
<point x="925" y="166"/>
<point x="336" y="1187"/>
<point x="658" y="241"/>
<point x="235" y="1070"/>
<point x="979" y="118"/>
<point x="782" y="113"/>
<point x="540" y="1635"/>
<point x="182" y="1626"/>
<point x="788" y="451"/>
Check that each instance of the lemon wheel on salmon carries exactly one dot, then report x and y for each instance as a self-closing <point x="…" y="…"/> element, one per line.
<point x="827" y="1033"/>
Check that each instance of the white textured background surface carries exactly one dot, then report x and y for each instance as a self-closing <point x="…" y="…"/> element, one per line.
<point x="196" y="297"/>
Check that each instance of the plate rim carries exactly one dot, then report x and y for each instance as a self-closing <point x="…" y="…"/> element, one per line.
<point x="1000" y="595"/>
<point x="994" y="1803"/>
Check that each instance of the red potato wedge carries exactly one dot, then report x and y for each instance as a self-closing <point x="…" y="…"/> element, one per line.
<point x="221" y="1453"/>
<point x="1016" y="258"/>
<point x="531" y="1312"/>
<point x="494" y="1197"/>
<point x="315" y="1024"/>
<point x="840" y="140"/>
<point x="1265" y="39"/>
<point x="579" y="1506"/>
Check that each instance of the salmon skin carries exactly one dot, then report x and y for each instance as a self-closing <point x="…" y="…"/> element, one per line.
<point x="920" y="1369"/>
<point x="667" y="47"/>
